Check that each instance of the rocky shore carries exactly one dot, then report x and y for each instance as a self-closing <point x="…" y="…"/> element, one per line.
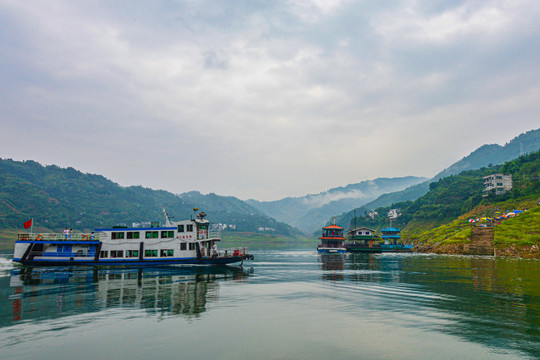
<point x="526" y="252"/>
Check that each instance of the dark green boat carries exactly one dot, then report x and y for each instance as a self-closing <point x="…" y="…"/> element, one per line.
<point x="363" y="240"/>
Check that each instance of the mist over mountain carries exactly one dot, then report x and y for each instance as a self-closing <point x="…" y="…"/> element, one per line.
<point x="311" y="211"/>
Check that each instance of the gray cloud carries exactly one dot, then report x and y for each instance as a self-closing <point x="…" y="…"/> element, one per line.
<point x="257" y="99"/>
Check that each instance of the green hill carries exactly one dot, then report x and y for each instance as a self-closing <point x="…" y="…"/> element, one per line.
<point x="484" y="156"/>
<point x="57" y="197"/>
<point x="441" y="215"/>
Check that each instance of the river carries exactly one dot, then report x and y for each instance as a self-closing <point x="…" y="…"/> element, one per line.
<point x="287" y="304"/>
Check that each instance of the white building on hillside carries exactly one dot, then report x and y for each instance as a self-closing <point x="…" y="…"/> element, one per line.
<point x="500" y="182"/>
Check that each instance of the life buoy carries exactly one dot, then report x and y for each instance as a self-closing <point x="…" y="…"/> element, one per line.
<point x="39" y="237"/>
<point x="85" y="237"/>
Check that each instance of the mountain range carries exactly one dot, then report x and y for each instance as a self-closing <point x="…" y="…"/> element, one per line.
<point x="310" y="212"/>
<point x="57" y="197"/>
<point x="484" y="156"/>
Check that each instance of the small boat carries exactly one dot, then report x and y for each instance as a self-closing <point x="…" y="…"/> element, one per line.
<point x="364" y="240"/>
<point x="187" y="242"/>
<point x="332" y="240"/>
<point x="392" y="241"/>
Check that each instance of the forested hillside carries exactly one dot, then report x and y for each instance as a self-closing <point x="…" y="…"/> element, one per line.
<point x="57" y="197"/>
<point x="455" y="195"/>
<point x="484" y="156"/>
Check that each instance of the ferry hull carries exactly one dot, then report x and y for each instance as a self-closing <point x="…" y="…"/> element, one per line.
<point x="369" y="250"/>
<point x="186" y="242"/>
<point x="332" y="250"/>
<point x="84" y="262"/>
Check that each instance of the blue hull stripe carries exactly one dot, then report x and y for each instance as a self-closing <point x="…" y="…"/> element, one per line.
<point x="174" y="261"/>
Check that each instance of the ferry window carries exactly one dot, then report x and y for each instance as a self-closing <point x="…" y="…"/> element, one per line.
<point x="167" y="234"/>
<point x="166" y="253"/>
<point x="180" y="228"/>
<point x="152" y="234"/>
<point x="132" y="253"/>
<point x="189" y="228"/>
<point x="191" y="246"/>
<point x="203" y="226"/>
<point x="183" y="246"/>
<point x="104" y="254"/>
<point x="117" y="253"/>
<point x="64" y="248"/>
<point x="117" y="235"/>
<point x="133" y="234"/>
<point x="150" y="253"/>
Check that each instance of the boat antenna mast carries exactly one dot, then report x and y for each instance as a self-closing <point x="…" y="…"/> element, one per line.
<point x="167" y="220"/>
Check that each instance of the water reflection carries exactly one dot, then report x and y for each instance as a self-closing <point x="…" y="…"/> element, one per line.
<point x="487" y="300"/>
<point x="44" y="293"/>
<point x="332" y="264"/>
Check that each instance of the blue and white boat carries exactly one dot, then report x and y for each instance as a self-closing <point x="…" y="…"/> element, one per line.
<point x="392" y="241"/>
<point x="188" y="242"/>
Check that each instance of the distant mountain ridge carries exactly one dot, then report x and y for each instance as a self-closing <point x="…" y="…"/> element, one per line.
<point x="311" y="211"/>
<point x="484" y="156"/>
<point x="494" y="154"/>
<point x="56" y="197"/>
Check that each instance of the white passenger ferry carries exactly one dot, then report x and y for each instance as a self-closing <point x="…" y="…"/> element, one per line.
<point x="180" y="242"/>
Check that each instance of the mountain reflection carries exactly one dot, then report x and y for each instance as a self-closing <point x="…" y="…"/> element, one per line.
<point x="49" y="293"/>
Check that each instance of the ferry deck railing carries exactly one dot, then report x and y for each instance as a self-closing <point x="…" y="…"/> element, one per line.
<point x="232" y="252"/>
<point x="55" y="237"/>
<point x="209" y="234"/>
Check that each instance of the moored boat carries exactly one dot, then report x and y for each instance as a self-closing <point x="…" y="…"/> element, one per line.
<point x="363" y="240"/>
<point x="392" y="241"/>
<point x="332" y="240"/>
<point x="189" y="242"/>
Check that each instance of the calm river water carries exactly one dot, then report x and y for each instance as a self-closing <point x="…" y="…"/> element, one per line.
<point x="287" y="304"/>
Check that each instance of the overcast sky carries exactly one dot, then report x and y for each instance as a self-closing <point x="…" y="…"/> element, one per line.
<point x="264" y="99"/>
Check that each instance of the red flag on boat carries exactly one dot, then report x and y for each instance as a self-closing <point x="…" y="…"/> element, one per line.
<point x="28" y="223"/>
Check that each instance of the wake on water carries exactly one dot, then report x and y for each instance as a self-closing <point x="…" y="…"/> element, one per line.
<point x="5" y="266"/>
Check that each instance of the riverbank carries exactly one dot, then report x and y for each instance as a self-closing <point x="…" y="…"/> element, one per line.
<point x="515" y="237"/>
<point x="525" y="252"/>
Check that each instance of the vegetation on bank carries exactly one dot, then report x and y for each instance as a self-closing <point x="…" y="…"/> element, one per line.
<point x="441" y="216"/>
<point x="521" y="230"/>
<point x="57" y="197"/>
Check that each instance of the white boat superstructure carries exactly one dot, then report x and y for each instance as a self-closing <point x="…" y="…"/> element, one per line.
<point x="181" y="242"/>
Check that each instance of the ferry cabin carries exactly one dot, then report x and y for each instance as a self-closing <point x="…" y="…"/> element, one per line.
<point x="183" y="242"/>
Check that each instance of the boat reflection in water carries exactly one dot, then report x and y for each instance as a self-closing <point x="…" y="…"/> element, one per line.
<point x="54" y="292"/>
<point x="332" y="266"/>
